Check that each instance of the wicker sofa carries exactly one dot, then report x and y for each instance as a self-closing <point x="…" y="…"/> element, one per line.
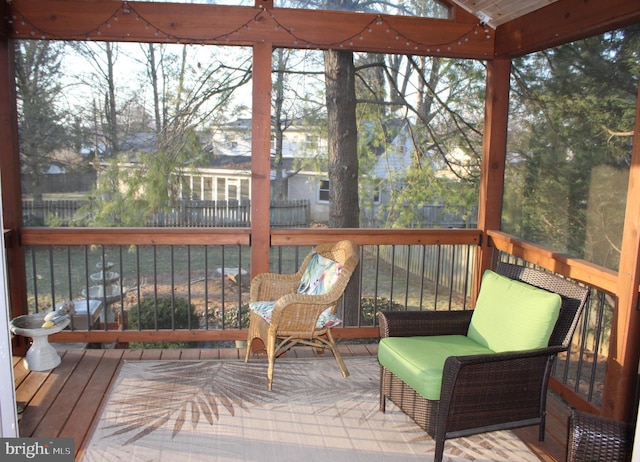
<point x="593" y="438"/>
<point x="478" y="392"/>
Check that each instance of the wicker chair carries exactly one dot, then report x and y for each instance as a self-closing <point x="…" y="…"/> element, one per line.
<point x="485" y="392"/>
<point x="295" y="315"/>
<point x="594" y="438"/>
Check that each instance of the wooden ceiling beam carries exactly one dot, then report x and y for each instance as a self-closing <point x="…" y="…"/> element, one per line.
<point x="562" y="22"/>
<point x="108" y="20"/>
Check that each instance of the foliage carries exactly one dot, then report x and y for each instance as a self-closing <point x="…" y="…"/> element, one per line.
<point x="420" y="125"/>
<point x="188" y="91"/>
<point x="573" y="111"/>
<point x="133" y="196"/>
<point x="370" y="306"/>
<point x="171" y="313"/>
<point x="41" y="117"/>
<point x="231" y="317"/>
<point x="435" y="104"/>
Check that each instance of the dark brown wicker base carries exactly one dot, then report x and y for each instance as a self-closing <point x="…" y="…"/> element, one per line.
<point x="420" y="409"/>
<point x="597" y="439"/>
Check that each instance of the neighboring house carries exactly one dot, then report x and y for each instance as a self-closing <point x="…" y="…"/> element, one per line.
<point x="391" y="167"/>
<point x="225" y="173"/>
<point x="234" y="139"/>
<point x="232" y="142"/>
<point x="389" y="173"/>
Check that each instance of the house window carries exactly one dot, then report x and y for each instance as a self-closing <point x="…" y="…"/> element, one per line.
<point x="245" y="193"/>
<point x="207" y="188"/>
<point x="376" y="195"/>
<point x="323" y="191"/>
<point x="196" y="188"/>
<point x="230" y="141"/>
<point x="232" y="192"/>
<point x="185" y="188"/>
<point x="232" y="189"/>
<point x="370" y="193"/>
<point x="311" y="142"/>
<point x="221" y="189"/>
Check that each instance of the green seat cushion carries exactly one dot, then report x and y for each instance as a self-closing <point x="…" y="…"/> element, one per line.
<point x="512" y="316"/>
<point x="419" y="361"/>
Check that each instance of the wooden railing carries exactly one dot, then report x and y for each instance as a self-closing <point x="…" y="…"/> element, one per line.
<point x="580" y="270"/>
<point x="51" y="253"/>
<point x="391" y="277"/>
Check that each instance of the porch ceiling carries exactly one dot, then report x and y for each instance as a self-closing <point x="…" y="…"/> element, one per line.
<point x="497" y="12"/>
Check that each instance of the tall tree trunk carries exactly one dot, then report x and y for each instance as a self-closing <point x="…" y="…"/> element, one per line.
<point x="426" y="88"/>
<point x="153" y="74"/>
<point x="112" y="119"/>
<point x="344" y="209"/>
<point x="183" y="67"/>
<point x="279" y="191"/>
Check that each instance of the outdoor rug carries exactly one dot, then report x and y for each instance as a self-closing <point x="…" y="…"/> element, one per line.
<point x="179" y="411"/>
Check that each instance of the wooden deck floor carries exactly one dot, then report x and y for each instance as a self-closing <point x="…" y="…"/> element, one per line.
<point x="64" y="402"/>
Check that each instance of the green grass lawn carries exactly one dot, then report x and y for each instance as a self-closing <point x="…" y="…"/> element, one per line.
<point x="190" y="272"/>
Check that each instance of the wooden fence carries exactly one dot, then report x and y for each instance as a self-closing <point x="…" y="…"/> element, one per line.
<point x="284" y="214"/>
<point x="218" y="214"/>
<point x="63" y="212"/>
<point x="426" y="217"/>
<point x="60" y="183"/>
<point x="449" y="265"/>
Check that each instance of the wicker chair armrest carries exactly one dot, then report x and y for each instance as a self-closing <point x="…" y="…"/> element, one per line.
<point x="497" y="360"/>
<point x="416" y="323"/>
<point x="487" y="359"/>
<point x="304" y="299"/>
<point x="483" y="390"/>
<point x="596" y="438"/>
<point x="300" y="312"/>
<point x="511" y="363"/>
<point x="272" y="286"/>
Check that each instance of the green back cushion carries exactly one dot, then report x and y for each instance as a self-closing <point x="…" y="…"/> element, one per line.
<point x="419" y="361"/>
<point x="511" y="315"/>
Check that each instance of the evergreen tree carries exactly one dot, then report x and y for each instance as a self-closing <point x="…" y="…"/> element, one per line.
<point x="573" y="109"/>
<point x="41" y="118"/>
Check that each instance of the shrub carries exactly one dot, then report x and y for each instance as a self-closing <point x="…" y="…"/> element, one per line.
<point x="371" y="305"/>
<point x="171" y="313"/>
<point x="231" y="317"/>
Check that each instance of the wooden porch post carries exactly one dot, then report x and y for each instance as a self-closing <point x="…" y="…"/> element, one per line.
<point x="619" y="398"/>
<point x="11" y="189"/>
<point x="494" y="146"/>
<point x="260" y="158"/>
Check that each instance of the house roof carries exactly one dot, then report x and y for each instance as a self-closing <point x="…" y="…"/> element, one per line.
<point x="395" y="161"/>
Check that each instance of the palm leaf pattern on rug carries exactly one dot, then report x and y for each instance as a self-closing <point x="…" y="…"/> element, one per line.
<point x="179" y="393"/>
<point x="220" y="410"/>
<point x="189" y="393"/>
